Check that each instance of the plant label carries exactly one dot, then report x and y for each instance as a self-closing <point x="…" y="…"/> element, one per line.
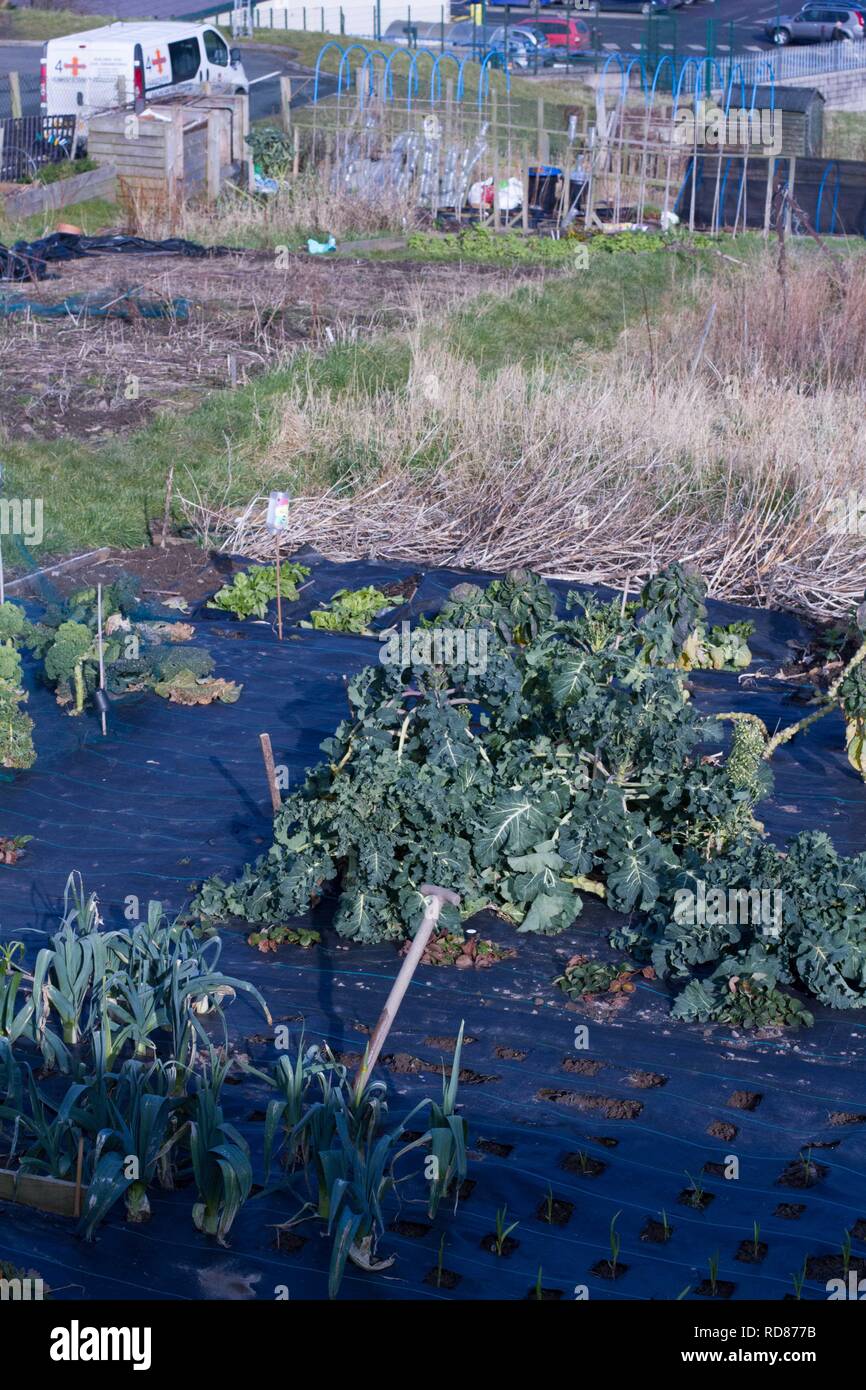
<point x="278" y="512"/>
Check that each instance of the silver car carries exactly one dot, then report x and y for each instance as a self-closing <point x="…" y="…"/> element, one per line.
<point x="817" y="24"/>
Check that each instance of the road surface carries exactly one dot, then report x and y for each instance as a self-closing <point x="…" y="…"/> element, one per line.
<point x="24" y="58"/>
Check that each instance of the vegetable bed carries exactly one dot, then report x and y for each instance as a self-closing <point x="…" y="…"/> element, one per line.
<point x="621" y="1133"/>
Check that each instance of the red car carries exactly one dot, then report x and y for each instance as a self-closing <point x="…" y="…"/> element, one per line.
<point x="572" y="34"/>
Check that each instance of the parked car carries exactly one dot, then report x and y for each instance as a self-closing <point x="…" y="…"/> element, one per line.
<point x="483" y="38"/>
<point x="82" y="73"/>
<point x="513" y="53"/>
<point x="571" y="35"/>
<point x="817" y="24"/>
<point x="540" y="52"/>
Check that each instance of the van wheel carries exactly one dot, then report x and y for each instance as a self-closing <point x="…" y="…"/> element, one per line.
<point x="781" y="37"/>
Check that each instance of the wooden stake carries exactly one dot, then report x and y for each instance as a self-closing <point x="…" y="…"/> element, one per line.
<point x="286" y="103"/>
<point x="101" y="651"/>
<point x="270" y="771"/>
<point x="435" y="898"/>
<point x="15" y="96"/>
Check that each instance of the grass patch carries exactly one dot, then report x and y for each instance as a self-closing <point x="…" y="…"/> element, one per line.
<point x="844" y="135"/>
<point x="91" y="216"/>
<point x="47" y="24"/>
<point x="585" y="310"/>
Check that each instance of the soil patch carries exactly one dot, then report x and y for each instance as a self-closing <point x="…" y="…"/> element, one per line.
<point x="224" y="321"/>
<point x="555" y="1213"/>
<point x="610" y="1106"/>
<point x="745" y="1100"/>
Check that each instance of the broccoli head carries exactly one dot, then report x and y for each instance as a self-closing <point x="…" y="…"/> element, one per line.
<point x="10" y="665"/>
<point x="167" y="661"/>
<point x="127" y="673"/>
<point x="64" y="661"/>
<point x="12" y="622"/>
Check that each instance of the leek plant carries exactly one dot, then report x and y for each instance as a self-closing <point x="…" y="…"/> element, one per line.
<point x="66" y="973"/>
<point x="13" y="1022"/>
<point x="448" y="1132"/>
<point x="220" y="1158"/>
<point x="130" y="1149"/>
<point x="292" y="1081"/>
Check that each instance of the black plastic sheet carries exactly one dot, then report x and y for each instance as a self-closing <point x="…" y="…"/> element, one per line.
<point x="173" y="795"/>
<point x="29" y="260"/>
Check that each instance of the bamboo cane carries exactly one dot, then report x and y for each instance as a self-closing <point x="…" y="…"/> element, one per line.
<point x="435" y="899"/>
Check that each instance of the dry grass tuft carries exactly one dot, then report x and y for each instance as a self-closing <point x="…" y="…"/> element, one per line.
<point x="303" y="206"/>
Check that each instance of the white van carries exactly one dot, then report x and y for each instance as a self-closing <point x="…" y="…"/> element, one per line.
<point x="96" y="69"/>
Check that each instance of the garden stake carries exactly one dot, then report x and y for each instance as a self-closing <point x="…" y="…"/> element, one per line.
<point x="2" y="581"/>
<point x="435" y="898"/>
<point x="101" y="652"/>
<point x="268" y="755"/>
<point x="279" y="595"/>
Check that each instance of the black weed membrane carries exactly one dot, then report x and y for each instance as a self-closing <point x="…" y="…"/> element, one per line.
<point x="640" y="1157"/>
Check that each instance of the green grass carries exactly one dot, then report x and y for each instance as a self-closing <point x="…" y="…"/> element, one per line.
<point x="46" y="24"/>
<point x="844" y="135"/>
<point x="91" y="216"/>
<point x="105" y="494"/>
<point x="573" y="313"/>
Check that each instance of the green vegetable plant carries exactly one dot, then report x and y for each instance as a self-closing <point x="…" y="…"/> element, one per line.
<point x="220" y="1159"/>
<point x="136" y="655"/>
<point x="351" y="610"/>
<point x="341" y="1140"/>
<point x="271" y="150"/>
<point x="252" y="590"/>
<point x="16" y="727"/>
<point x="846" y="1252"/>
<point x="129" y="1150"/>
<point x="571" y="761"/>
<point x="141" y="1102"/>
<point x="583" y="977"/>
<point x="440" y="1261"/>
<point x="548" y="1205"/>
<point x="695" y="1192"/>
<point x="503" y="1231"/>
<point x="447" y="1132"/>
<point x="615" y="1244"/>
<point x="479" y="244"/>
